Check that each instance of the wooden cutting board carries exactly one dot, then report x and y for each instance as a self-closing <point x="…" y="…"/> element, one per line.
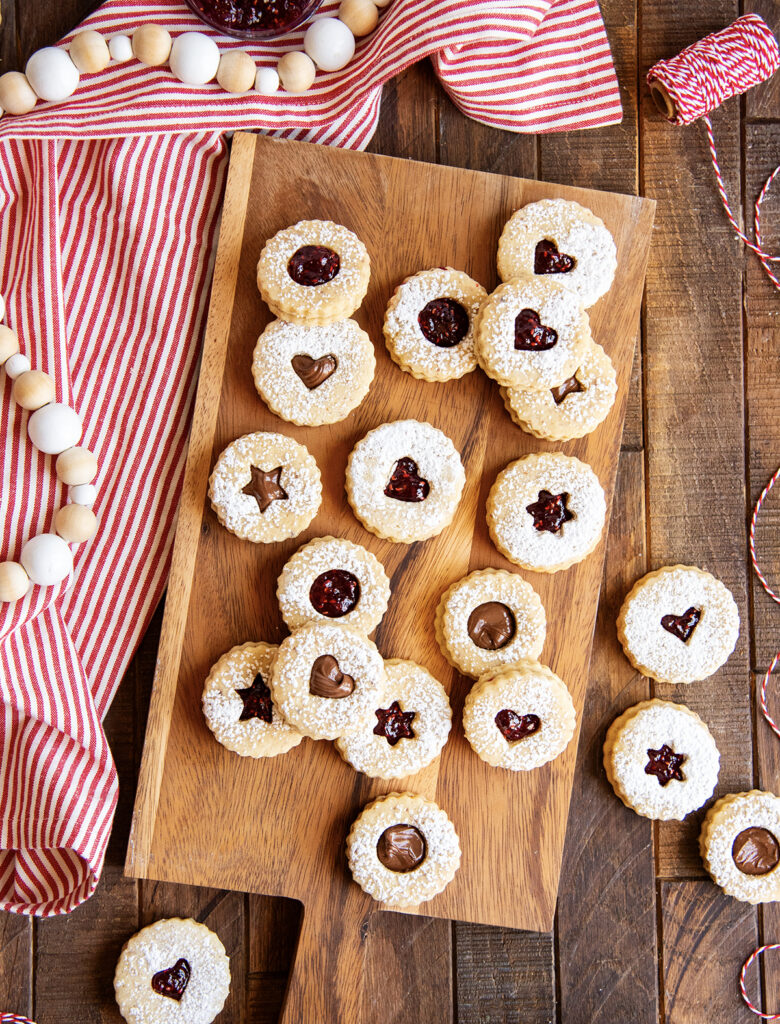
<point x="203" y="815"/>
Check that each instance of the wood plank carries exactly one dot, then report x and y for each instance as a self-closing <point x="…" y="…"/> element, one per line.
<point x="408" y="970"/>
<point x="407" y="125"/>
<point x="762" y="154"/>
<point x="10" y="58"/>
<point x="607" y="882"/>
<point x="466" y="143"/>
<point x="16" y="964"/>
<point x="695" y="410"/>
<point x="763" y="102"/>
<point x="706" y="938"/>
<point x="273" y="926"/>
<point x="768" y="756"/>
<point x="42" y="24"/>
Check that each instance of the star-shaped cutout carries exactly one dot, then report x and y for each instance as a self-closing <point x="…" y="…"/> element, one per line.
<point x="394" y="724"/>
<point x="665" y="765"/>
<point x="257" y="701"/>
<point x="550" y="512"/>
<point x="265" y="487"/>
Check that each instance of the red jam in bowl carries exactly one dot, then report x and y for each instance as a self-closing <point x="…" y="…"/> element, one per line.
<point x="254" y="19"/>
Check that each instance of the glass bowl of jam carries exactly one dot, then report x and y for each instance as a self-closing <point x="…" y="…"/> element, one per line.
<point x="254" y="19"/>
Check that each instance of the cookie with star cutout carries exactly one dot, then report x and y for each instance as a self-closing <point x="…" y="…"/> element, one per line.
<point x="238" y="706"/>
<point x="409" y="728"/>
<point x="265" y="487"/>
<point x="661" y="760"/>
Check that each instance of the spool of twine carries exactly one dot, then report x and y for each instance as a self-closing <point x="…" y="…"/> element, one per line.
<point x="697" y="81"/>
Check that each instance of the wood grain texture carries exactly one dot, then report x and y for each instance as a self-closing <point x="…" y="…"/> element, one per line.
<point x="16" y="964"/>
<point x="318" y="873"/>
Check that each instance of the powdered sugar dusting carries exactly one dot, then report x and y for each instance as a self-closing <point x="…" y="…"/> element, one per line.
<point x="283" y="390"/>
<point x="416" y="690"/>
<point x="671" y="591"/>
<point x="725" y="820"/>
<point x="371" y="465"/>
<point x="650" y="726"/>
<point x="575" y="231"/>
<point x="518" y="486"/>
<point x="158" y="947"/>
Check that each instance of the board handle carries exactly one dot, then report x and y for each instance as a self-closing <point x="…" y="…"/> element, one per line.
<point x="326" y="980"/>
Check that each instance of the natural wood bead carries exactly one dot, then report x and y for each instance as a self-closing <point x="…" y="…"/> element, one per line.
<point x="152" y="44"/>
<point x="75" y="523"/>
<point x="14" y="581"/>
<point x="16" y="93"/>
<point x="360" y="16"/>
<point x="383" y="3"/>
<point x="9" y="343"/>
<point x="33" y="389"/>
<point x="296" y="72"/>
<point x="89" y="52"/>
<point x="236" y="71"/>
<point x="76" y="466"/>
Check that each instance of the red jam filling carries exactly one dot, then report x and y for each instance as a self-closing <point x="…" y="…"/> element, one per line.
<point x="394" y="724"/>
<point x="406" y="484"/>
<point x="531" y="335"/>
<point x="253" y="15"/>
<point x="665" y="765"/>
<point x="682" y="626"/>
<point x="548" y="260"/>
<point x="312" y="265"/>
<point x="517" y="727"/>
<point x="444" y="322"/>
<point x="257" y="701"/>
<point x="550" y="512"/>
<point x="335" y="593"/>
<point x="173" y="980"/>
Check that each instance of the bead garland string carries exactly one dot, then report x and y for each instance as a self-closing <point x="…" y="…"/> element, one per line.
<point x="55" y="429"/>
<point x="698" y="80"/>
<point x="53" y="73"/>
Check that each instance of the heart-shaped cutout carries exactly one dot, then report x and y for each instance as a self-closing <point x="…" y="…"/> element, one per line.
<point x="314" y="372"/>
<point x="531" y="335"/>
<point x="516" y="727"/>
<point x="405" y="483"/>
<point x="682" y="626"/>
<point x="173" y="980"/>
<point x="548" y="260"/>
<point x="327" y="679"/>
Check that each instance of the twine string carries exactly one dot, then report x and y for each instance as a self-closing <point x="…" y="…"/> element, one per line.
<point x="705" y="75"/>
<point x="750" y="1005"/>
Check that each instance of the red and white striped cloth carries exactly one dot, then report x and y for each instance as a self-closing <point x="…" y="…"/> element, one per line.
<point x="108" y="212"/>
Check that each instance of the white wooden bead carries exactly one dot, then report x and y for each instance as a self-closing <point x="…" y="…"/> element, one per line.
<point x="89" y="52"/>
<point x="329" y="43"/>
<point x="54" y="428"/>
<point x="52" y="74"/>
<point x="47" y="559"/>
<point x="16" y="93"/>
<point x="17" y="365"/>
<point x="75" y="523"/>
<point x="76" y="466"/>
<point x="33" y="390"/>
<point x="266" y="81"/>
<point x="194" y="58"/>
<point x="236" y="71"/>
<point x="83" y="494"/>
<point x="152" y="44"/>
<point x="9" y="343"/>
<point x="121" y="48"/>
<point x="360" y="16"/>
<point x="14" y="581"/>
<point x="296" y="72"/>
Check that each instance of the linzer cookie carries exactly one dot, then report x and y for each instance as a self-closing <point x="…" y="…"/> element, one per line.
<point x="403" y="850"/>
<point x="574" y="408"/>
<point x="313" y="375"/>
<point x="238" y="706"/>
<point x="661" y="760"/>
<point x="560" y="238"/>
<point x="314" y="272"/>
<point x="531" y="333"/>
<point x="546" y="512"/>
<point x="678" y="624"/>
<point x="519" y="716"/>
<point x="173" y="970"/>
<point x="489" y="618"/>
<point x="429" y="324"/>
<point x="265" y="487"/>
<point x="740" y="845"/>
<point x="404" y="481"/>
<point x="333" y="578"/>
<point x="328" y="680"/>
<point x="408" y="730"/>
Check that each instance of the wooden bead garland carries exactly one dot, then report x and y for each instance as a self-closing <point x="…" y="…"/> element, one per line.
<point x="53" y="73"/>
<point x="54" y="428"/>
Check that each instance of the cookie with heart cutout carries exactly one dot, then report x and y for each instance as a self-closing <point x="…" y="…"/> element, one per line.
<point x="328" y="680"/>
<point x="678" y="624"/>
<point x="173" y="970"/>
<point x="405" y="480"/>
<point x="561" y="239"/>
<point x="312" y="375"/>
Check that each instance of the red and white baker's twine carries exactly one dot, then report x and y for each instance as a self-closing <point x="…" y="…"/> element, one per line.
<point x="754" y="956"/>
<point x="708" y="73"/>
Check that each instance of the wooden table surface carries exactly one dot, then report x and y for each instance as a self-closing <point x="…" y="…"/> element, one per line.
<point x="641" y="935"/>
